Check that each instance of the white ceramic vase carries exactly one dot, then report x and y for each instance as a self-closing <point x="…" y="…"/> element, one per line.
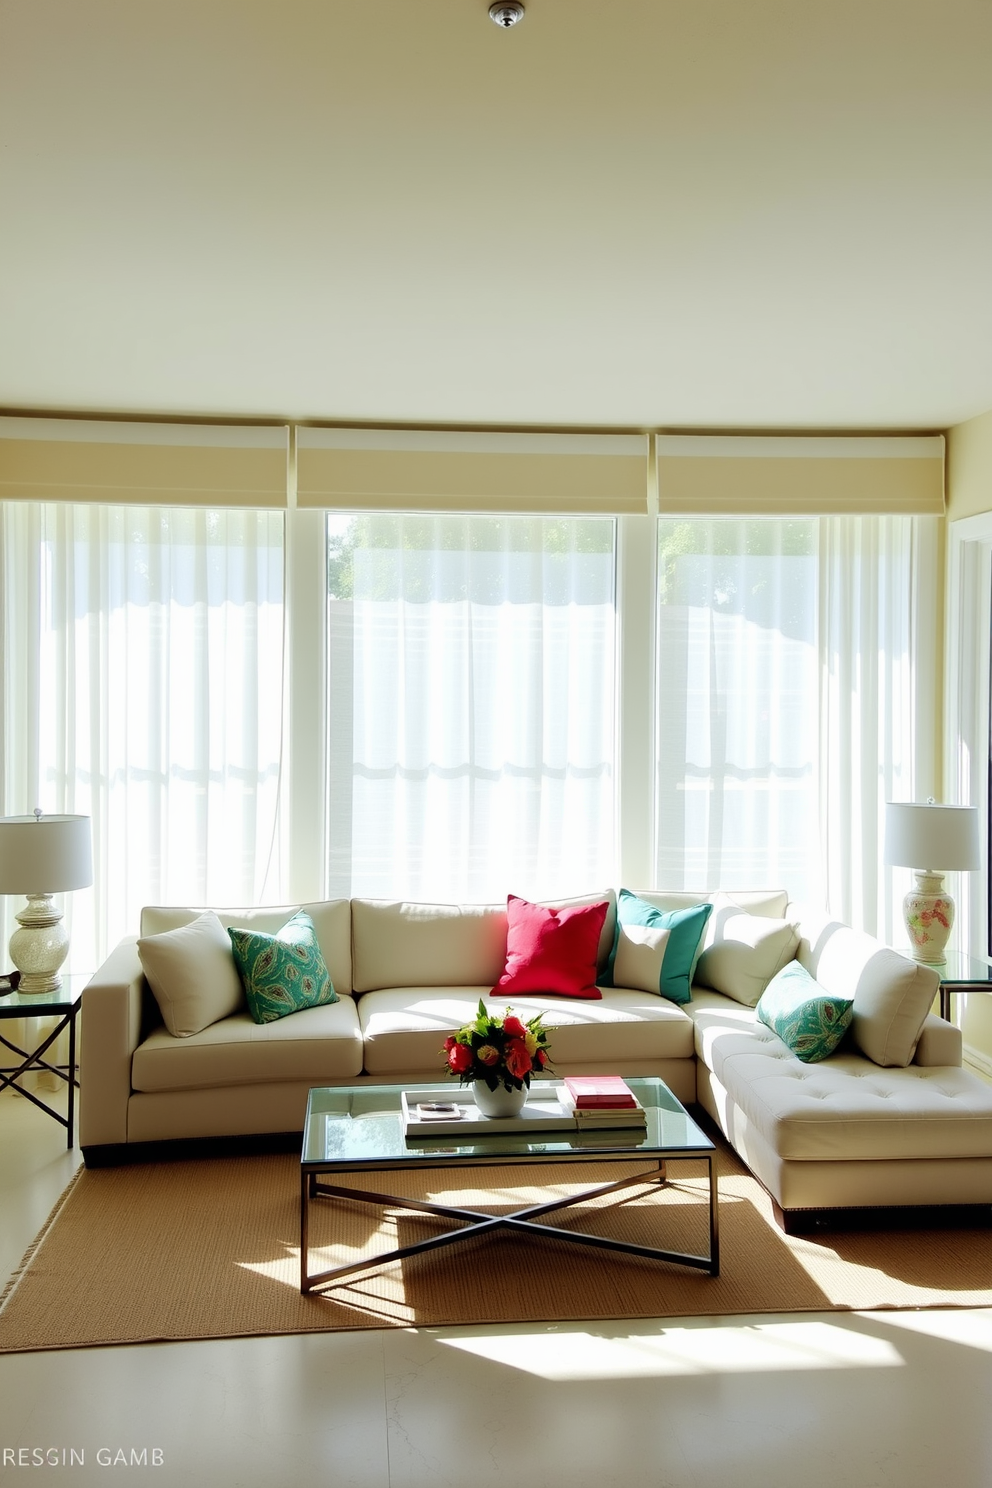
<point x="498" y="1102"/>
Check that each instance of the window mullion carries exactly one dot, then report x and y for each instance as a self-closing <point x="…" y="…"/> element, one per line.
<point x="637" y="567"/>
<point x="306" y="711"/>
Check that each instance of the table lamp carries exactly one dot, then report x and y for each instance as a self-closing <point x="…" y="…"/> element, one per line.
<point x="923" y="832"/>
<point x="41" y="856"/>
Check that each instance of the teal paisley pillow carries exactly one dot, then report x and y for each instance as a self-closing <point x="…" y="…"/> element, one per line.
<point x="282" y="973"/>
<point x="810" y="1020"/>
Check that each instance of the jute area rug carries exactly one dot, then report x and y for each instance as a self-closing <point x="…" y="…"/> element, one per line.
<point x="210" y="1249"/>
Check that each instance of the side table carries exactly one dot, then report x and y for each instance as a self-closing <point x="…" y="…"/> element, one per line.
<point x="62" y="1004"/>
<point x="960" y="972"/>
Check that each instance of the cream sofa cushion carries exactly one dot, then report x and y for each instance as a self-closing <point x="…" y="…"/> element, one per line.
<point x="192" y="973"/>
<point x="419" y="945"/>
<point x="722" y="1028"/>
<point x="404" y="1028"/>
<point x="751" y="901"/>
<point x="316" y="1044"/>
<point x="892" y="995"/>
<point x="743" y="951"/>
<point x="331" y="922"/>
<point x="403" y="944"/>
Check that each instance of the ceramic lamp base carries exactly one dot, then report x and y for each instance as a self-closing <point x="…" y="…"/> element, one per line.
<point x="40" y="946"/>
<point x="929" y="915"/>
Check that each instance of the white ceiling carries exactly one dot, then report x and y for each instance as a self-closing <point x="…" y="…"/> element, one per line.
<point x="647" y="213"/>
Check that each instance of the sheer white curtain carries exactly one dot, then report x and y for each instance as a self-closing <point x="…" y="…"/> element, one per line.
<point x="143" y="680"/>
<point x="736" y="703"/>
<point x="472" y="682"/>
<point x="796" y="688"/>
<point x="878" y="706"/>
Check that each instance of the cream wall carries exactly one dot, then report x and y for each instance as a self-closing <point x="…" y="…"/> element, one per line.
<point x="969" y="494"/>
<point x="969" y="468"/>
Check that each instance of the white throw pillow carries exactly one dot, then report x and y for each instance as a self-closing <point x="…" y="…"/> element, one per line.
<point x="745" y="952"/>
<point x="192" y="973"/>
<point x="892" y="994"/>
<point x="640" y="952"/>
<point x="891" y="1003"/>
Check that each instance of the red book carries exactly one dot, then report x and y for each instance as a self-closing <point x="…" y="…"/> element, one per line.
<point x="600" y="1092"/>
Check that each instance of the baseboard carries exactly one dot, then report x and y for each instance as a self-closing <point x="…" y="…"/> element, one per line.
<point x="181" y="1149"/>
<point x="885" y="1217"/>
<point x="979" y="1061"/>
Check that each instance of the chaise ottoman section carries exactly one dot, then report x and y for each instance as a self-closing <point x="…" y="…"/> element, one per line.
<point x="848" y="1109"/>
<point x="845" y="1133"/>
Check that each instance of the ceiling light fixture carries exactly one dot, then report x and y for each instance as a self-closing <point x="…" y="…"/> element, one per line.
<point x="506" y="13"/>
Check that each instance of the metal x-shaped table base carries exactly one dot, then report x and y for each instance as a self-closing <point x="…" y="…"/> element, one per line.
<point x="522" y="1220"/>
<point x="33" y="1063"/>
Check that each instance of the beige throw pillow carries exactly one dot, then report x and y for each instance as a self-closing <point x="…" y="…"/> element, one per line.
<point x="891" y="1003"/>
<point x="192" y="973"/>
<point x="892" y="994"/>
<point x="745" y="952"/>
<point x="640" y="952"/>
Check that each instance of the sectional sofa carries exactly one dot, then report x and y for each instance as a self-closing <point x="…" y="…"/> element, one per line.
<point x="891" y="1118"/>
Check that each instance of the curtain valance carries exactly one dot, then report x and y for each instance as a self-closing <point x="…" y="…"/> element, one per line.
<point x="247" y="465"/>
<point x="162" y="464"/>
<point x="802" y="475"/>
<point x="423" y="470"/>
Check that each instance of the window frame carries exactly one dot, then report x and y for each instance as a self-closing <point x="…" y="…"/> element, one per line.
<point x="967" y="704"/>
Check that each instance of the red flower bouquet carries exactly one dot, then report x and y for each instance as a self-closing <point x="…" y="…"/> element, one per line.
<point x="498" y="1051"/>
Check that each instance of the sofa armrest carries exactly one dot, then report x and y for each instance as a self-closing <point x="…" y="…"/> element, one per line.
<point x="110" y="1032"/>
<point x="940" y="1043"/>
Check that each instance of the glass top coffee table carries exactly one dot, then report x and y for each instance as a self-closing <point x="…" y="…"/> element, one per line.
<point x="359" y="1129"/>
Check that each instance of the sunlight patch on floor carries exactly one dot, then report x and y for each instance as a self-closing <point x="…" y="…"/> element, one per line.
<point x="679" y="1350"/>
<point x="971" y="1327"/>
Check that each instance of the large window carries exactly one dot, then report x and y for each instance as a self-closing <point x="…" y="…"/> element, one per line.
<point x="143" y="687"/>
<point x="796" y="694"/>
<point x="472" y="710"/>
<point x="738" y="682"/>
<point x="432" y="707"/>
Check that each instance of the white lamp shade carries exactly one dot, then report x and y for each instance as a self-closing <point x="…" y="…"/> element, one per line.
<point x="923" y="835"/>
<point x="45" y="855"/>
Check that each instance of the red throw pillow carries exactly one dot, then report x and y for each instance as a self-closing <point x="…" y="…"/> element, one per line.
<point x="551" y="950"/>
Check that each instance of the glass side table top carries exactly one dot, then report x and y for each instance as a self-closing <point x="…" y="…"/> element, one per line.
<point x="39" y="1004"/>
<point x="364" y="1126"/>
<point x="958" y="968"/>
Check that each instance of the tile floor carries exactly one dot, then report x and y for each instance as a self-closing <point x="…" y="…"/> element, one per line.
<point x="834" y="1400"/>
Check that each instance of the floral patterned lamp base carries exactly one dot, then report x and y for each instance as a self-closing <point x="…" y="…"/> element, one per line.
<point x="498" y="1102"/>
<point x="929" y="914"/>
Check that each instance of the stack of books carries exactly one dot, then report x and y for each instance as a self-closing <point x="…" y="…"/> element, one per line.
<point x="601" y="1100"/>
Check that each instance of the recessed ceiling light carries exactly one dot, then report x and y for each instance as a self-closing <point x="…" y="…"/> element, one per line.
<point x="506" y="13"/>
